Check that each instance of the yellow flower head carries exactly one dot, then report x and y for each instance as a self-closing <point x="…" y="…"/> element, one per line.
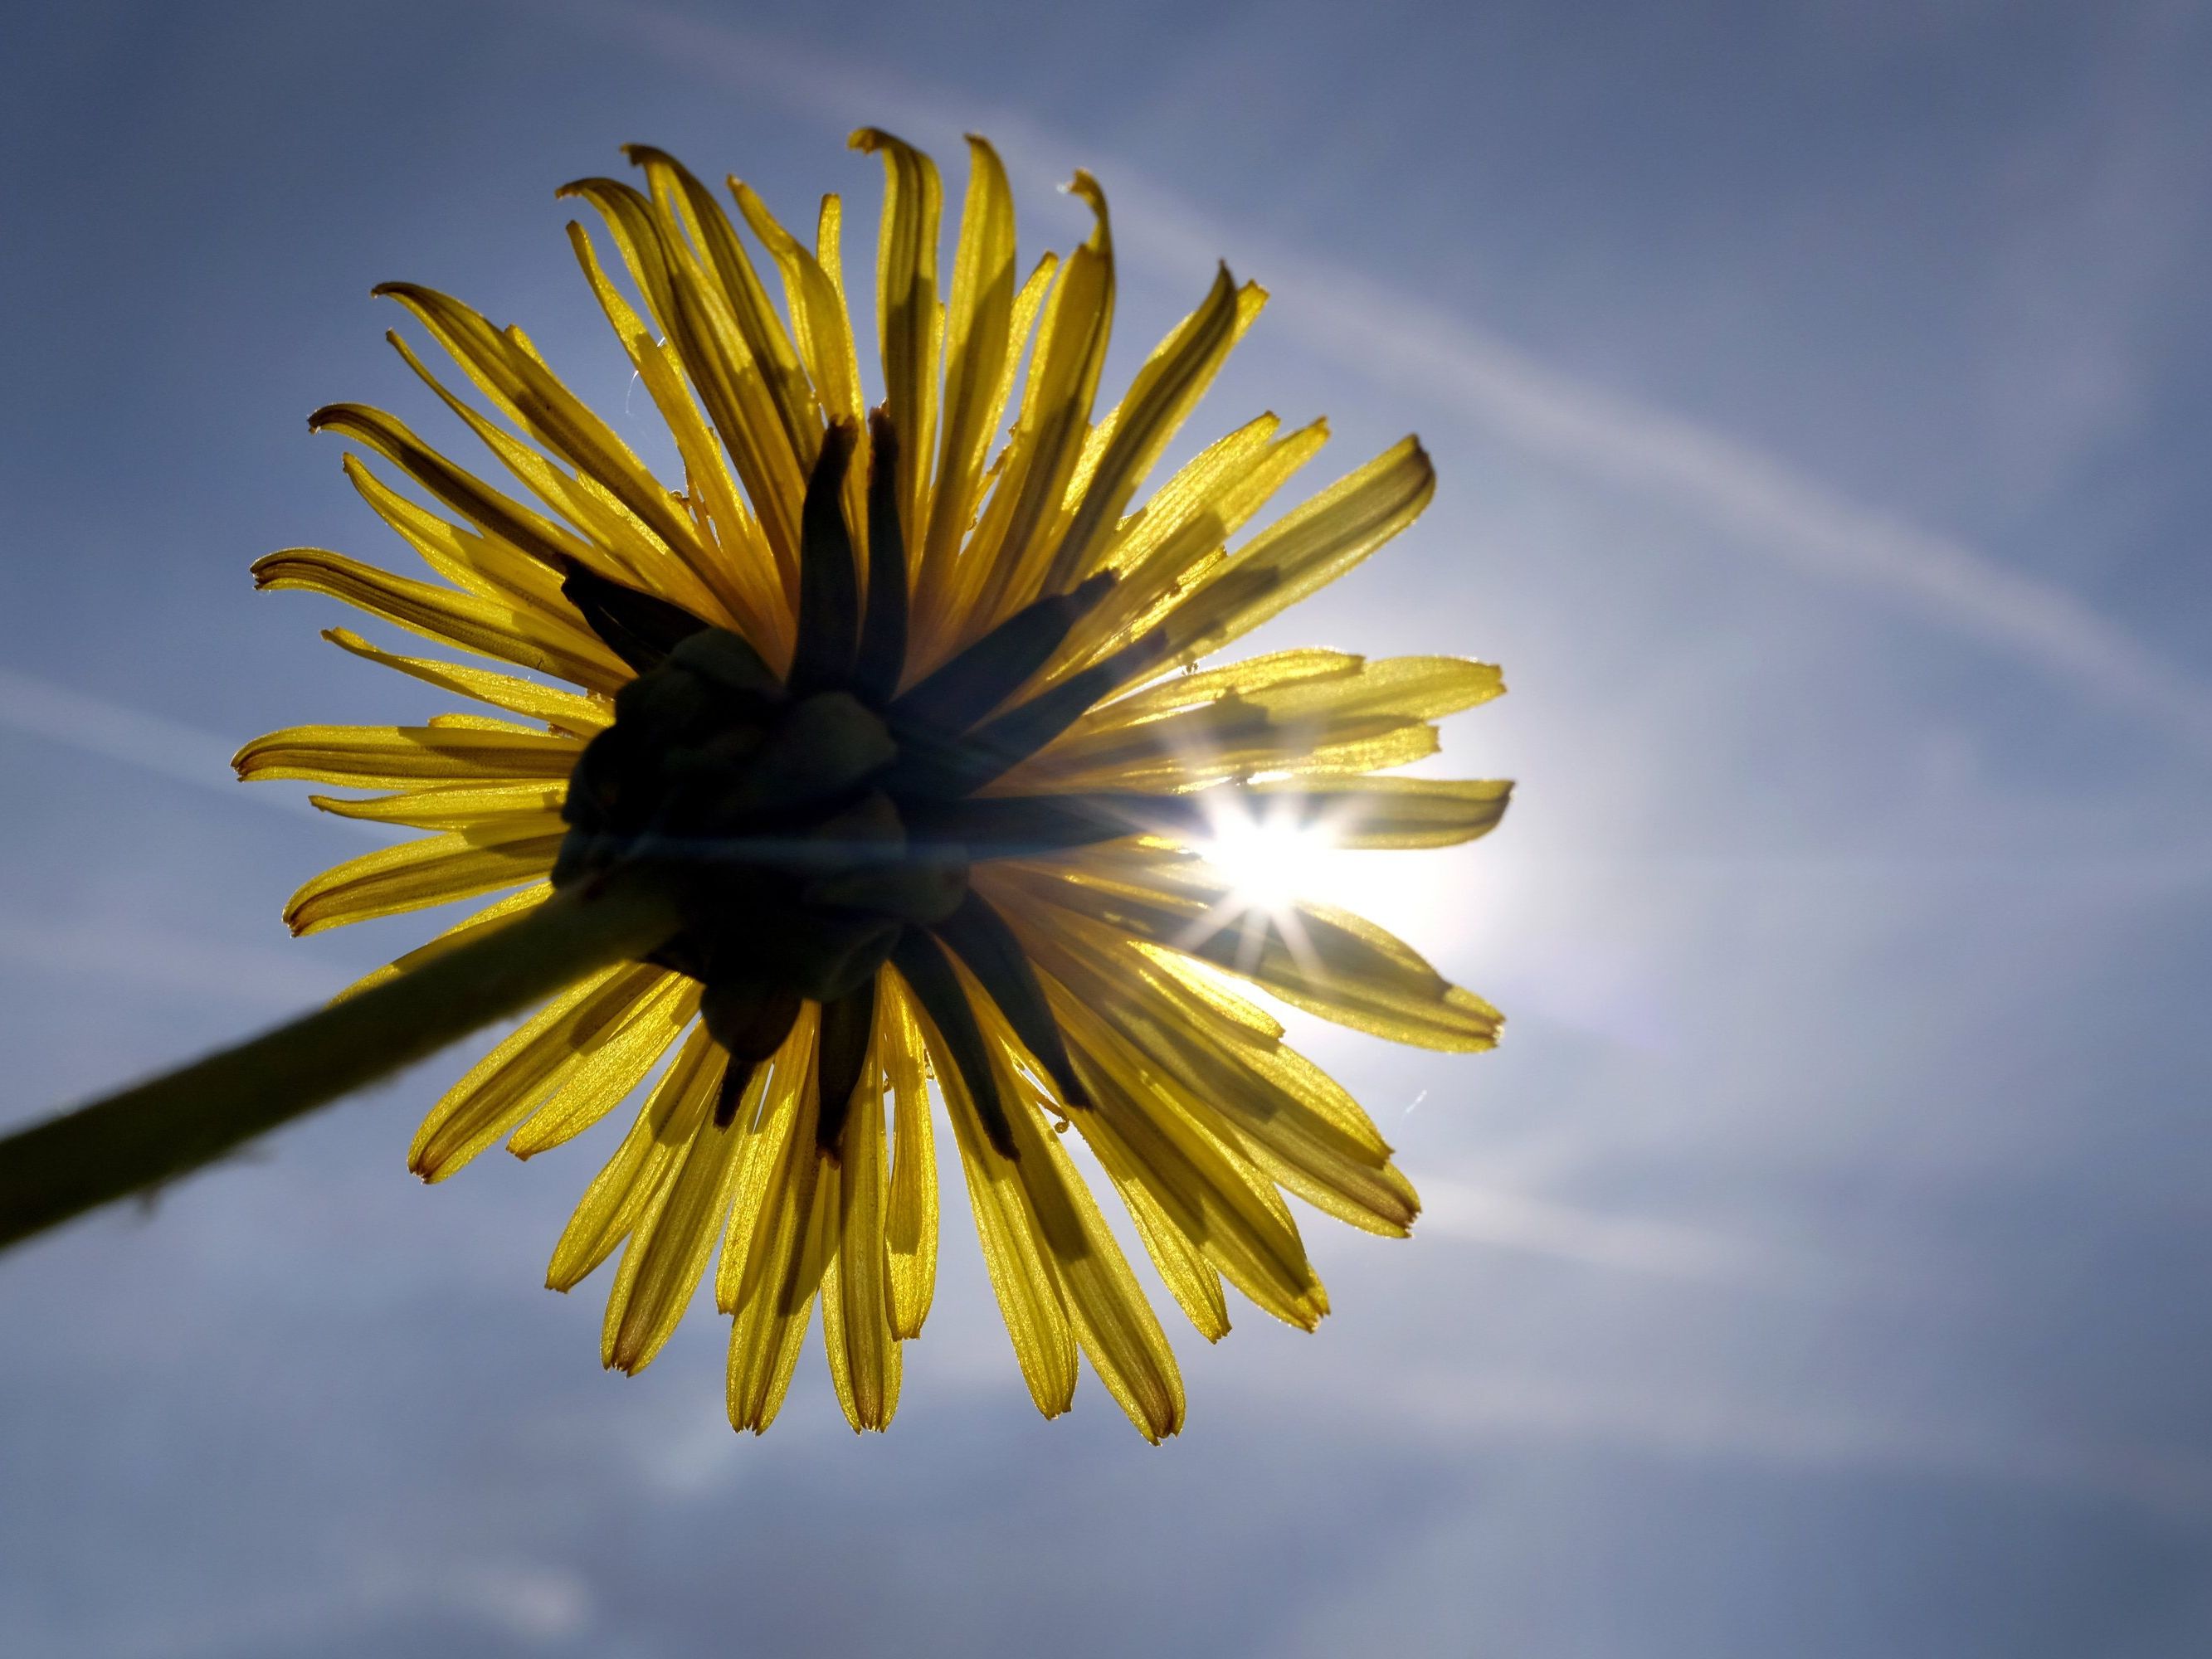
<point x="896" y="721"/>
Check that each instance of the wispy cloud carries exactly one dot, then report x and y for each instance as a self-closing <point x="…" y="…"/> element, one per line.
<point x="151" y="743"/>
<point x="115" y="952"/>
<point x="1504" y="1219"/>
<point x="523" y="1604"/>
<point x="1346" y="317"/>
<point x="1692" y="1421"/>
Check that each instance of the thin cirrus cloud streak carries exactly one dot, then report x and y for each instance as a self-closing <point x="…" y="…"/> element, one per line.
<point x="122" y="952"/>
<point x="1502" y="1219"/>
<point x="1649" y="1413"/>
<point x="532" y="1604"/>
<point x="153" y="743"/>
<point x="1389" y="338"/>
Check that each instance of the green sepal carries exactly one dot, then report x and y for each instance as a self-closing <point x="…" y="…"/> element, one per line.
<point x="1025" y="826"/>
<point x="977" y="680"/>
<point x="829" y="575"/>
<point x="727" y="660"/>
<point x="928" y="972"/>
<point x="980" y="937"/>
<point x="995" y="748"/>
<point x="640" y="628"/>
<point x="750" y="1018"/>
<point x="881" y="657"/>
<point x="920" y="893"/>
<point x="846" y="1026"/>
<point x="824" y="745"/>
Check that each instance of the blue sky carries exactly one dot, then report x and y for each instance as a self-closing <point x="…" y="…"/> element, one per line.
<point x="1820" y="395"/>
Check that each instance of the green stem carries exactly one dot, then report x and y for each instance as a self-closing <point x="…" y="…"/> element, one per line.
<point x="173" y="1125"/>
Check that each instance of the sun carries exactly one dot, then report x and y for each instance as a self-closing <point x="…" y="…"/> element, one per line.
<point x="1273" y="852"/>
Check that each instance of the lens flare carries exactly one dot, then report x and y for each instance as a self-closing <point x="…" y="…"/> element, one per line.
<point x="1272" y="857"/>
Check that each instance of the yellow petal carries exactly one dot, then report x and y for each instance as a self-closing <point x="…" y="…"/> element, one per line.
<point x="604" y="1078"/>
<point x="507" y="1084"/>
<point x="632" y="1178"/>
<point x="373" y="756"/>
<point x="609" y="1068"/>
<point x="783" y="1259"/>
<point x="497" y="912"/>
<point x="823" y="325"/>
<point x="1204" y="1185"/>
<point x="1274" y="1102"/>
<point x="535" y="399"/>
<point x="1183" y="524"/>
<point x="1309" y="712"/>
<point x="1163" y="553"/>
<point x="946" y="607"/>
<point x="620" y="546"/>
<point x="1396" y="812"/>
<point x="1190" y="1279"/>
<point x="671" y="1240"/>
<point x="1014" y="541"/>
<point x="856" y="1331"/>
<point x="1288" y="684"/>
<point x="1295" y="1122"/>
<point x="496" y="514"/>
<point x="478" y="723"/>
<point x="1229" y="738"/>
<point x="484" y="626"/>
<point x="1022" y="1275"/>
<point x="724" y="278"/>
<point x="769" y="1110"/>
<point x="580" y="717"/>
<point x="477" y="563"/>
<point x="978" y="340"/>
<point x="739" y="565"/>
<point x="1129" y="440"/>
<point x="1050" y="1211"/>
<point x="1253" y="677"/>
<point x="823" y="330"/>
<point x="1196" y="486"/>
<point x="454" y="806"/>
<point x="1420" y="688"/>
<point x="498" y="852"/>
<point x="1115" y="1326"/>
<point x="738" y="359"/>
<point x="1193" y="994"/>
<point x="1324" y="960"/>
<point x="910" y="1226"/>
<point x="1306" y="549"/>
<point x="910" y="318"/>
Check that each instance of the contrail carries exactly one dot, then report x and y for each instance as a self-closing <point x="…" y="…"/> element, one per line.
<point x="153" y="743"/>
<point x="1516" y="1221"/>
<point x="1394" y="340"/>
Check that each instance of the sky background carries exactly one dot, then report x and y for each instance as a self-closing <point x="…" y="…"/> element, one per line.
<point x="1820" y="396"/>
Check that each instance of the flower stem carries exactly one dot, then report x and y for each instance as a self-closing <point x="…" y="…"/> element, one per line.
<point x="173" y="1125"/>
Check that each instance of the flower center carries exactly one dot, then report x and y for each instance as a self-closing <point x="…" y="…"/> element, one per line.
<point x="766" y="812"/>
<point x="816" y="825"/>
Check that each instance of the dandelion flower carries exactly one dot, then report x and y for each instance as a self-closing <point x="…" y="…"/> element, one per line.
<point x="897" y="722"/>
